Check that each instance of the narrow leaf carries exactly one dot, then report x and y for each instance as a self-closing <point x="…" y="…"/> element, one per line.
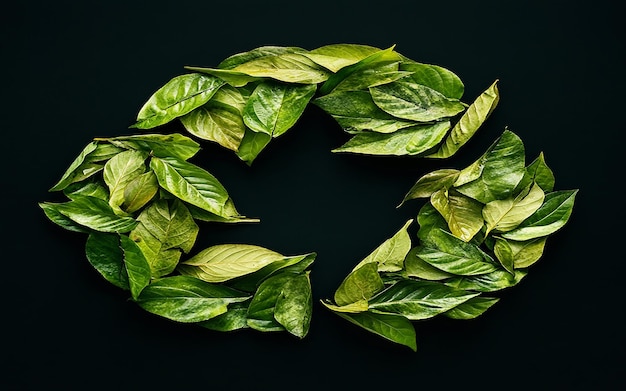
<point x="136" y="266"/>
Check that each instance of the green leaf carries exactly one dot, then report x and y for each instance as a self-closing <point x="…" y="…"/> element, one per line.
<point x="294" y="305"/>
<point x="355" y="111"/>
<point x="136" y="266"/>
<point x="187" y="299"/>
<point x="219" y="120"/>
<point x="378" y="74"/>
<point x="336" y="56"/>
<point x="389" y="256"/>
<point x="417" y="267"/>
<point x="431" y="183"/>
<point x="490" y="282"/>
<point x="438" y="78"/>
<point x="500" y="170"/>
<point x="52" y="213"/>
<point x="409" y="100"/>
<point x="105" y="254"/>
<point x="252" y="144"/>
<point x="191" y="184"/>
<point x="286" y="67"/>
<point x="77" y="169"/>
<point x="160" y="145"/>
<point x="550" y="217"/>
<point x="471" y="120"/>
<point x="94" y="213"/>
<point x="505" y="215"/>
<point x="234" y="319"/>
<point x="119" y="171"/>
<point x="394" y="328"/>
<point x="352" y="308"/>
<point x="274" y="108"/>
<point x="541" y="173"/>
<point x="429" y="218"/>
<point x="446" y="252"/>
<point x="523" y="254"/>
<point x="165" y="229"/>
<point x="379" y="57"/>
<point x="408" y="141"/>
<point x="176" y="98"/>
<point x="504" y="254"/>
<point x="93" y="188"/>
<point x="417" y="300"/>
<point x="463" y="214"/>
<point x="472" y="308"/>
<point x="360" y="284"/>
<point x="224" y="262"/>
<point x="140" y="191"/>
<point x="256" y="54"/>
<point x="232" y="215"/>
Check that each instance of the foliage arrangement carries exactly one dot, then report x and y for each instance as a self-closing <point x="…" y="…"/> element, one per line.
<point x="141" y="201"/>
<point x="480" y="231"/>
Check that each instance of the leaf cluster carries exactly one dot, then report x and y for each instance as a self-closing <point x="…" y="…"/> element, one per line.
<point x="390" y="104"/>
<point x="139" y="200"/>
<point x="479" y="232"/>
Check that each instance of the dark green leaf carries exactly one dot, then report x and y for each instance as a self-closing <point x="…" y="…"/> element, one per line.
<point x="94" y="213"/>
<point x="472" y="308"/>
<point x="136" y="266"/>
<point x="360" y="284"/>
<point x="140" y="191"/>
<point x="105" y="254"/>
<point x="160" y="145"/>
<point x="394" y="328"/>
<point x="438" y="78"/>
<point x="490" y="282"/>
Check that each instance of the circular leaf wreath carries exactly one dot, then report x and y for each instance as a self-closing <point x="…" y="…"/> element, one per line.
<point x="139" y="199"/>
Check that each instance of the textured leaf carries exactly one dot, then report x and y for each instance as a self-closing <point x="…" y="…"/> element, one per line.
<point x="75" y="172"/>
<point x="252" y="144"/>
<point x="523" y="254"/>
<point x="274" y="108"/>
<point x="394" y="328"/>
<point x="417" y="300"/>
<point x="176" y="98"/>
<point x="431" y="183"/>
<point x="549" y="218"/>
<point x="94" y="213"/>
<point x="377" y="74"/>
<point x="429" y="218"/>
<point x="356" y="111"/>
<point x="505" y="215"/>
<point x="52" y="213"/>
<point x="234" y="318"/>
<point x="105" y="254"/>
<point x="286" y="67"/>
<point x="140" y="191"/>
<point x="472" y="308"/>
<point x="417" y="267"/>
<point x="409" y="100"/>
<point x="490" y="282"/>
<point x="446" y="252"/>
<point x="408" y="141"/>
<point x="294" y="305"/>
<point x="541" y="173"/>
<point x="165" y="229"/>
<point x="463" y="214"/>
<point x="160" y="145"/>
<point x="438" y="78"/>
<point x="136" y="266"/>
<point x="224" y="262"/>
<point x="187" y="299"/>
<point x="352" y="308"/>
<point x="190" y="183"/>
<point x="501" y="168"/>
<point x="471" y="120"/>
<point x="256" y="54"/>
<point x="389" y="256"/>
<point x="360" y="284"/>
<point x="87" y="188"/>
<point x="119" y="171"/>
<point x="336" y="56"/>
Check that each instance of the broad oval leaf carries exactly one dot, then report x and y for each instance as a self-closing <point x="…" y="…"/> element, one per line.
<point x="549" y="218"/>
<point x="394" y="328"/>
<point x="287" y="67"/>
<point x="430" y="183"/>
<point x="360" y="284"/>
<point x="176" y="98"/>
<point x="429" y="219"/>
<point x="336" y="56"/>
<point x="490" y="282"/>
<point x="95" y="213"/>
<point x="505" y="215"/>
<point x="187" y="299"/>
<point x="105" y="254"/>
<point x="160" y="145"/>
<point x="190" y="183"/>
<point x="409" y="100"/>
<point x="119" y="171"/>
<point x="417" y="267"/>
<point x="252" y="144"/>
<point x="472" y="308"/>
<point x="51" y="211"/>
<point x="274" y="108"/>
<point x="294" y="305"/>
<point x="541" y="173"/>
<point x="417" y="300"/>
<point x="438" y="78"/>
<point x="136" y="266"/>
<point x="235" y="318"/>
<point x="140" y="191"/>
<point x="256" y="54"/>
<point x="389" y="256"/>
<point x="523" y="254"/>
<point x="74" y="172"/>
<point x="463" y="214"/>
<point x="224" y="262"/>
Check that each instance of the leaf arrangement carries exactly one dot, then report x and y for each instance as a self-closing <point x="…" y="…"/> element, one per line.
<point x="141" y="201"/>
<point x="479" y="232"/>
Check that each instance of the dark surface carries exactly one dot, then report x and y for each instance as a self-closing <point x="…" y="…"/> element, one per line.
<point x="72" y="73"/>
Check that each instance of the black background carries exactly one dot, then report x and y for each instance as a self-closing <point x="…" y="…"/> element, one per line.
<point x="72" y="72"/>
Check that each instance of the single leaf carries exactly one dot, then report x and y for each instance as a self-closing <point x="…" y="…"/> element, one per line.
<point x="160" y="145"/>
<point x="139" y="192"/>
<point x="105" y="254"/>
<point x="353" y="308"/>
<point x="336" y="56"/>
<point x="490" y="282"/>
<point x="294" y="305"/>
<point x="541" y="173"/>
<point x="431" y="183"/>
<point x="176" y="98"/>
<point x="505" y="215"/>
<point x="446" y="252"/>
<point x="224" y="262"/>
<point x="274" y="108"/>
<point x="257" y="53"/>
<point x="409" y="100"/>
<point x="262" y="308"/>
<point x="417" y="267"/>
<point x="413" y="140"/>
<point x="501" y="169"/>
<point x="438" y="78"/>
<point x="96" y="214"/>
<point x="417" y="300"/>
<point x="472" y="308"/>
<point x="235" y="318"/>
<point x="550" y="217"/>
<point x="429" y="219"/>
<point x="51" y="211"/>
<point x="165" y="230"/>
<point x="504" y="254"/>
<point x="136" y="266"/>
<point x="389" y="256"/>
<point x="190" y="183"/>
<point x="360" y="284"/>
<point x="286" y="67"/>
<point x="73" y="172"/>
<point x="251" y="145"/>
<point x="355" y="111"/>
<point x="394" y="328"/>
<point x="462" y="213"/>
<point x="93" y="188"/>
<point x="469" y="123"/>
<point x="187" y="299"/>
<point x="119" y="171"/>
<point x="523" y="254"/>
<point x="378" y="74"/>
